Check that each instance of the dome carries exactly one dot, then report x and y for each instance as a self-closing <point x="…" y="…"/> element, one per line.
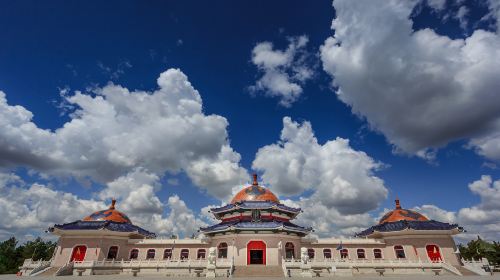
<point x="255" y="192"/>
<point x="110" y="214"/>
<point x="400" y="214"/>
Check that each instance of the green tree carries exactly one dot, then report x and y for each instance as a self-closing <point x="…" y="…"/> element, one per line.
<point x="477" y="249"/>
<point x="10" y="257"/>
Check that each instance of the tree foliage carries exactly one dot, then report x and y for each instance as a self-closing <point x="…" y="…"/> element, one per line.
<point x="477" y="249"/>
<point x="13" y="256"/>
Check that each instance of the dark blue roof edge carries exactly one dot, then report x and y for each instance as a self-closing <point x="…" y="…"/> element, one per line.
<point x="109" y="225"/>
<point x="225" y="226"/>
<point x="402" y="225"/>
<point x="271" y="204"/>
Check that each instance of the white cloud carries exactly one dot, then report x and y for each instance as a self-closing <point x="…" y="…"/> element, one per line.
<point x="284" y="72"/>
<point x="435" y="213"/>
<point x="414" y="85"/>
<point x="115" y="131"/>
<point x="341" y="178"/>
<point x="461" y="16"/>
<point x="26" y="209"/>
<point x="437" y="4"/>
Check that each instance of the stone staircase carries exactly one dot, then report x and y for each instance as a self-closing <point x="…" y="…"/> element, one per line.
<point x="49" y="272"/>
<point x="258" y="271"/>
<point x="465" y="271"/>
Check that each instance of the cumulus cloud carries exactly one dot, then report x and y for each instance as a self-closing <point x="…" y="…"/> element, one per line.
<point x="420" y="89"/>
<point x="340" y="177"/>
<point x="284" y="72"/>
<point x="28" y="208"/>
<point x="115" y="131"/>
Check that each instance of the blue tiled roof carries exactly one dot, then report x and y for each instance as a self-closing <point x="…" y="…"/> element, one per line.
<point x="416" y="225"/>
<point x="109" y="225"/>
<point x="255" y="225"/>
<point x="255" y="205"/>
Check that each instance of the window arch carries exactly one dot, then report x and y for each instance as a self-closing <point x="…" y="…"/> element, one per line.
<point x="377" y="253"/>
<point x="184" y="254"/>
<point x="150" y="254"/>
<point x="222" y="250"/>
<point x="361" y="253"/>
<point x="112" y="252"/>
<point x="134" y="253"/>
<point x="201" y="254"/>
<point x="327" y="253"/>
<point x="289" y="250"/>
<point x="344" y="253"/>
<point x="167" y="254"/>
<point x="399" y="251"/>
<point x="310" y="253"/>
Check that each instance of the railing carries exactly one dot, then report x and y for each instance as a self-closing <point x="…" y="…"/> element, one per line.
<point x="478" y="266"/>
<point x="372" y="263"/>
<point x="30" y="264"/>
<point x="189" y="263"/>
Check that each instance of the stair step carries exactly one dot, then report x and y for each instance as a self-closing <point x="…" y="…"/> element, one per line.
<point x="258" y="271"/>
<point x="465" y="271"/>
<point x="48" y="272"/>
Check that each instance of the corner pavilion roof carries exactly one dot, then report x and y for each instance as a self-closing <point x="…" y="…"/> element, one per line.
<point x="403" y="224"/>
<point x="103" y="225"/>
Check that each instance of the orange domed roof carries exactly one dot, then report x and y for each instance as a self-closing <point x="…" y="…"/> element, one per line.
<point x="400" y="214"/>
<point x="110" y="214"/>
<point x="255" y="193"/>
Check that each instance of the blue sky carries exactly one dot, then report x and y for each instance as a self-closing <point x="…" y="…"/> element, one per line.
<point x="68" y="46"/>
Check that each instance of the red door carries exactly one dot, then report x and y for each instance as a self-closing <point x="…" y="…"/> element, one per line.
<point x="78" y="253"/>
<point x="256" y="252"/>
<point x="433" y="253"/>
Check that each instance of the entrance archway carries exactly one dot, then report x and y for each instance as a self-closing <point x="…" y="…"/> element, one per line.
<point x="256" y="252"/>
<point x="78" y="253"/>
<point x="433" y="253"/>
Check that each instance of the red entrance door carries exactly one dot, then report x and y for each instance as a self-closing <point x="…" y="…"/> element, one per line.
<point x="433" y="253"/>
<point x="78" y="253"/>
<point x="256" y="252"/>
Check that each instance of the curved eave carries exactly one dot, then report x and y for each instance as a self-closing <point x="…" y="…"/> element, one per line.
<point x="241" y="206"/>
<point x="100" y="228"/>
<point x="411" y="228"/>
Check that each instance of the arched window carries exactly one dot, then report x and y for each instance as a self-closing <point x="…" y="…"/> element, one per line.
<point x="289" y="250"/>
<point x="399" y="251"/>
<point x="222" y="250"/>
<point x="377" y="253"/>
<point x="327" y="253"/>
<point x="184" y="254"/>
<point x="134" y="253"/>
<point x="150" y="254"/>
<point x="112" y="252"/>
<point x="201" y="254"/>
<point x="310" y="253"/>
<point x="361" y="253"/>
<point x="344" y="254"/>
<point x="167" y="254"/>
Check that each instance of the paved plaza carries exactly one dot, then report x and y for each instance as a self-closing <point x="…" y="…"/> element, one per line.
<point x="157" y="277"/>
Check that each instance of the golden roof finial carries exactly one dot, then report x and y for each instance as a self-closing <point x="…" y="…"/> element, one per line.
<point x="113" y="202"/>
<point x="255" y="180"/>
<point x="398" y="205"/>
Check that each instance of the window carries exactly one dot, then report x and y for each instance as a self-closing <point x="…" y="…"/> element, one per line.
<point x="184" y="254"/>
<point x="201" y="254"/>
<point x="255" y="215"/>
<point x="134" y="254"/>
<point x="167" y="254"/>
<point x="112" y="252"/>
<point x="399" y="251"/>
<point x="377" y="253"/>
<point x="361" y="253"/>
<point x="310" y="253"/>
<point x="327" y="253"/>
<point x="344" y="254"/>
<point x="289" y="250"/>
<point x="150" y="254"/>
<point x="222" y="250"/>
